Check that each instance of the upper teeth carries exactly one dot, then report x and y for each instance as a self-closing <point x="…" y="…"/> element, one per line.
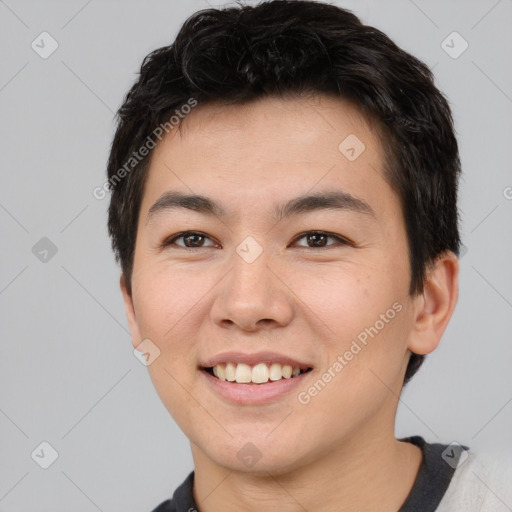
<point x="259" y="374"/>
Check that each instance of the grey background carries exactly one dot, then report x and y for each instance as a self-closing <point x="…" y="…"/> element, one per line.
<point x="68" y="375"/>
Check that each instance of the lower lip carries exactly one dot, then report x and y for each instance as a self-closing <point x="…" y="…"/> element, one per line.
<point x="253" y="393"/>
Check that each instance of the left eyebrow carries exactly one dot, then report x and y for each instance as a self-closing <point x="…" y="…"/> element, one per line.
<point x="337" y="200"/>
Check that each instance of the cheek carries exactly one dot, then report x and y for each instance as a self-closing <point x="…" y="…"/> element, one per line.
<point x="164" y="307"/>
<point x="362" y="319"/>
<point x="362" y="373"/>
<point x="347" y="299"/>
<point x="163" y="298"/>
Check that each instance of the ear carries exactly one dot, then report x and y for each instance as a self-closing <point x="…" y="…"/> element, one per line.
<point x="435" y="305"/>
<point x="130" y="313"/>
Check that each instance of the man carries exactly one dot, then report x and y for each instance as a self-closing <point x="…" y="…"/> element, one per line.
<point x="284" y="209"/>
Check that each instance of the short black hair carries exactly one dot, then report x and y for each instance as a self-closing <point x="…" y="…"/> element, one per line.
<point x="241" y="53"/>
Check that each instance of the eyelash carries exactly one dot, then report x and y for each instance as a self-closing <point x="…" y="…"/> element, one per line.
<point x="341" y="240"/>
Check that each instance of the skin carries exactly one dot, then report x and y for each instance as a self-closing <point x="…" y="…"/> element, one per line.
<point x="338" y="452"/>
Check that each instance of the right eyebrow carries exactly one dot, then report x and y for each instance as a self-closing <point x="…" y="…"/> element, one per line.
<point x="172" y="200"/>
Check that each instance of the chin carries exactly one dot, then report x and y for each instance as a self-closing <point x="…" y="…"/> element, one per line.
<point x="256" y="454"/>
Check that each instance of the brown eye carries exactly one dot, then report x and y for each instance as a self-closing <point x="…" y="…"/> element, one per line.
<point x="319" y="239"/>
<point x="191" y="240"/>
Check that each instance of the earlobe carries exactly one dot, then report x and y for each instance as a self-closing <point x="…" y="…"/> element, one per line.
<point x="130" y="312"/>
<point x="435" y="305"/>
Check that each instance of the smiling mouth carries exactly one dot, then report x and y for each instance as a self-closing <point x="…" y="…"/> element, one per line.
<point x="261" y="373"/>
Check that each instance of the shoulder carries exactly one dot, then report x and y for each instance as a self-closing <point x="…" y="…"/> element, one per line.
<point x="182" y="499"/>
<point x="166" y="506"/>
<point x="481" y="481"/>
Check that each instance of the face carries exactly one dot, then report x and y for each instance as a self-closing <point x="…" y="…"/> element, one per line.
<point x="296" y="256"/>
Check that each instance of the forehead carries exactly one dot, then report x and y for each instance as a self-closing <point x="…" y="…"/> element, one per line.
<point x="254" y="152"/>
<point x="282" y="123"/>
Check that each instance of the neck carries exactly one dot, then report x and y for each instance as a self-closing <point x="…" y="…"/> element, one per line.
<point x="369" y="472"/>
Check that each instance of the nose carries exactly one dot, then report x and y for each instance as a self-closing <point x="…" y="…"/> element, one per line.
<point x="253" y="296"/>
